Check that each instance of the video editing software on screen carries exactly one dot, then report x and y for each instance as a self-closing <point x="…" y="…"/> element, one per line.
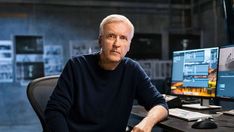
<point x="194" y="72"/>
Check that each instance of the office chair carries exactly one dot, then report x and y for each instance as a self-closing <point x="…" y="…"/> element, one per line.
<point x="38" y="93"/>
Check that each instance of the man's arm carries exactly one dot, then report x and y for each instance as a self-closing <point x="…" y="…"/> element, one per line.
<point x="60" y="102"/>
<point x="155" y="115"/>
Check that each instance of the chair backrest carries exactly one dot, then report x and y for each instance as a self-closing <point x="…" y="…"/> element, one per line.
<point x="38" y="93"/>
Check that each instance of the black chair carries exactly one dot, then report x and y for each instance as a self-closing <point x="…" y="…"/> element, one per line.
<point x="38" y="93"/>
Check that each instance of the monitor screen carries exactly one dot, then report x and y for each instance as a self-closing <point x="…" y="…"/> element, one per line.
<point x="146" y="46"/>
<point x="194" y="72"/>
<point x="225" y="86"/>
<point x="28" y="45"/>
<point x="29" y="70"/>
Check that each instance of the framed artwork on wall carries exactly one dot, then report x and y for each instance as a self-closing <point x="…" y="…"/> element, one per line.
<point x="6" y="61"/>
<point x="53" y="59"/>
<point x="146" y="46"/>
<point x="29" y="58"/>
<point x="83" y="47"/>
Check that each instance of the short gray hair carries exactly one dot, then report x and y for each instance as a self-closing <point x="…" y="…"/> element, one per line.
<point x="116" y="18"/>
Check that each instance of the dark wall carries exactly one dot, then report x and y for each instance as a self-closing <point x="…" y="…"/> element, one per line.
<point x="61" y="24"/>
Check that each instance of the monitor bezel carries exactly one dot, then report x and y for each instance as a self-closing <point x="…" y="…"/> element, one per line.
<point x="195" y="96"/>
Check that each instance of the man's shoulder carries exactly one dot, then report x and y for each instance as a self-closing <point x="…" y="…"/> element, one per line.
<point x="130" y="62"/>
<point x="83" y="57"/>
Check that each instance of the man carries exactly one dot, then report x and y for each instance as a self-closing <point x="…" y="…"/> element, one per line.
<point x="95" y="92"/>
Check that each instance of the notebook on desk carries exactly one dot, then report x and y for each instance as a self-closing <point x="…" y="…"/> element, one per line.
<point x="188" y="115"/>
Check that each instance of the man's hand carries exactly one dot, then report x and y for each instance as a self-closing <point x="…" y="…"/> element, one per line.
<point x="141" y="127"/>
<point x="156" y="114"/>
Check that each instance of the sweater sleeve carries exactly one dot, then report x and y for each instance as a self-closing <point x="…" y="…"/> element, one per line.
<point x="146" y="93"/>
<point x="60" y="101"/>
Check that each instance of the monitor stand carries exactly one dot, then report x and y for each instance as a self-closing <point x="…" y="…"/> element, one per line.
<point x="203" y="105"/>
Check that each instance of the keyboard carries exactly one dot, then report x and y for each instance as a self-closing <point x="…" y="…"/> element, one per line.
<point x="229" y="112"/>
<point x="188" y="115"/>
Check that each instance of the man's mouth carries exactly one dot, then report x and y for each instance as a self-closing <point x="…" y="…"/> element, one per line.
<point x="114" y="51"/>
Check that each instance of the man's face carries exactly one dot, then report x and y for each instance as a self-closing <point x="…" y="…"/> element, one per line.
<point x="115" y="41"/>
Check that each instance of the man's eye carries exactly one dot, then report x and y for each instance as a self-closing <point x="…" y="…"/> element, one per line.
<point x="123" y="38"/>
<point x="111" y="36"/>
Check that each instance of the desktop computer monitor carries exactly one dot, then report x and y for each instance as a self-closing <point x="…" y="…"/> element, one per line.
<point x="194" y="73"/>
<point x="225" y="85"/>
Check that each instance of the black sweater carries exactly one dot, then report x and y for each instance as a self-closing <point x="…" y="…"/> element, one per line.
<point x="88" y="98"/>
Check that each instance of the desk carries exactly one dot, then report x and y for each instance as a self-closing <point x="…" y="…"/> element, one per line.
<point x="225" y="123"/>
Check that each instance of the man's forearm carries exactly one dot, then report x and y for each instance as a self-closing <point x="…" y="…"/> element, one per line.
<point x="155" y="115"/>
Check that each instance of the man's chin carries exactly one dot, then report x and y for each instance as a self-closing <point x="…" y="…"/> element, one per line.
<point x="115" y="59"/>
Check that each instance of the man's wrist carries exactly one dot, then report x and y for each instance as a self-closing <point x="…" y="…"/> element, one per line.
<point x="150" y="121"/>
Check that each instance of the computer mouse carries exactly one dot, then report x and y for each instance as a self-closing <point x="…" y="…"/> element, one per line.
<point x="204" y="124"/>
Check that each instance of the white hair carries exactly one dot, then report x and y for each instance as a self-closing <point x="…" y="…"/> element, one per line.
<point x="115" y="18"/>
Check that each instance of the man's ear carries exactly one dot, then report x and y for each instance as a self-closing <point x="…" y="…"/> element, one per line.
<point x="128" y="49"/>
<point x="129" y="46"/>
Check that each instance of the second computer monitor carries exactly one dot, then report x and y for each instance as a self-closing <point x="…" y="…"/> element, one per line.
<point x="225" y="86"/>
<point x="194" y="72"/>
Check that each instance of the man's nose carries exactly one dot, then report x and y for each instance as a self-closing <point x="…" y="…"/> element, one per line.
<point x="117" y="42"/>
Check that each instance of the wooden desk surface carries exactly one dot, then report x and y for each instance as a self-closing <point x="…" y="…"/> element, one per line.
<point x="225" y="122"/>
